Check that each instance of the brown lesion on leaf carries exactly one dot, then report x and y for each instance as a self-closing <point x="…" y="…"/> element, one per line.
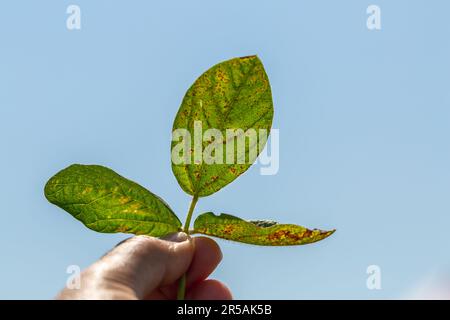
<point x="247" y="57"/>
<point x="308" y="233"/>
<point x="221" y="76"/>
<point x="123" y="229"/>
<point x="287" y="234"/>
<point x="228" y="230"/>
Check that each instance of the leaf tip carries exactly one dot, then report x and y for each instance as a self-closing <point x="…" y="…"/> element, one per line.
<point x="326" y="233"/>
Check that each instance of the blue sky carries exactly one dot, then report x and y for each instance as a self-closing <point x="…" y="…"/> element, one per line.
<point x="363" y="119"/>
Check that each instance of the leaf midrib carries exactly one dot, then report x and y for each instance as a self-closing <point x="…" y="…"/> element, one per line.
<point x="144" y="206"/>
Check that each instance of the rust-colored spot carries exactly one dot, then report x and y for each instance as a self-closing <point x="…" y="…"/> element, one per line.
<point x="247" y="57"/>
<point x="228" y="229"/>
<point x="122" y="229"/>
<point x="277" y="235"/>
<point x="220" y="75"/>
<point x="233" y="170"/>
<point x="283" y="234"/>
<point x="308" y="233"/>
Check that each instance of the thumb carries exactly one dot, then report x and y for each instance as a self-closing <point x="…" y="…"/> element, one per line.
<point x="145" y="263"/>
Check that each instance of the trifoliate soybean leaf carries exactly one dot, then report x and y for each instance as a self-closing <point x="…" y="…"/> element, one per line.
<point x="261" y="232"/>
<point x="107" y="202"/>
<point x="222" y="125"/>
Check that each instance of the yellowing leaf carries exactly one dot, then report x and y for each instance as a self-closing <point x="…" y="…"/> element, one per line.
<point x="235" y="96"/>
<point x="107" y="202"/>
<point x="264" y="233"/>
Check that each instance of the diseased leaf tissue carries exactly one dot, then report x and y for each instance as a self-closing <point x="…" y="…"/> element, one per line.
<point x="234" y="94"/>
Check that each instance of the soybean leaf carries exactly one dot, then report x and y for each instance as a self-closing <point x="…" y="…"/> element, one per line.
<point x="107" y="202"/>
<point x="233" y="95"/>
<point x="264" y="233"/>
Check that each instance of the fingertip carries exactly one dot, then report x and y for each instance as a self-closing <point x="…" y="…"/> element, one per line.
<point x="180" y="255"/>
<point x="207" y="257"/>
<point x="208" y="244"/>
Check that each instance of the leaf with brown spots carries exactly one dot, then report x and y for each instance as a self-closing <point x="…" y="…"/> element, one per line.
<point x="232" y="95"/>
<point x="261" y="232"/>
<point x="107" y="202"/>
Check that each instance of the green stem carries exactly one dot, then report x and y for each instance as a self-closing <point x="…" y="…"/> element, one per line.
<point x="187" y="223"/>
<point x="182" y="282"/>
<point x="181" y="287"/>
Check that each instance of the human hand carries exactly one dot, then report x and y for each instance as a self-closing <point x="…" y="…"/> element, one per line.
<point x="149" y="268"/>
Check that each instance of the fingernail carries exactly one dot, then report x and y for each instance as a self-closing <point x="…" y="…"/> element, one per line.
<point x="176" y="237"/>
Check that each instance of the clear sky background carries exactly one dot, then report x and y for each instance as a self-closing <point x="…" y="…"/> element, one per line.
<point x="364" y="134"/>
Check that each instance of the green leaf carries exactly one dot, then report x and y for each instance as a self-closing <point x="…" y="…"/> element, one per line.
<point x="107" y="202"/>
<point x="264" y="233"/>
<point x="234" y="94"/>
